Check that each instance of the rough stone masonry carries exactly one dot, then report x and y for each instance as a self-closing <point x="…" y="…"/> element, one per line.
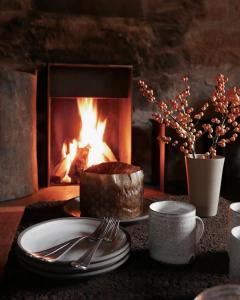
<point x="163" y="40"/>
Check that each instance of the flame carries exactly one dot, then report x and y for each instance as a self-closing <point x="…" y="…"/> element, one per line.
<point x="69" y="158"/>
<point x="90" y="138"/>
<point x="92" y="131"/>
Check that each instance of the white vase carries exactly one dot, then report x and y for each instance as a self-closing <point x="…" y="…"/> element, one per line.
<point x="204" y="178"/>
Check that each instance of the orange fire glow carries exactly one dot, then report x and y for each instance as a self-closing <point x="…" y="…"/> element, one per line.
<point x="89" y="144"/>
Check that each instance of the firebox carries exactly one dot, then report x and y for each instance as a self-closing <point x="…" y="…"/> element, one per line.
<point x="88" y="119"/>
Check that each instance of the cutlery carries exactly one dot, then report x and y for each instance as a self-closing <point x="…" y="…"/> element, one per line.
<point x="108" y="234"/>
<point x="54" y="253"/>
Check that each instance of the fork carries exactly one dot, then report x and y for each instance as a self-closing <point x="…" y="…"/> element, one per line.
<point x="56" y="252"/>
<point x="108" y="235"/>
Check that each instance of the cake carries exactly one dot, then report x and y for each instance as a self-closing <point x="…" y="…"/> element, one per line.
<point x="111" y="189"/>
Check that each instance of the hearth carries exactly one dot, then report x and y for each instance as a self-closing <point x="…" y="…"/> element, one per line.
<point x="30" y="153"/>
<point x="88" y="116"/>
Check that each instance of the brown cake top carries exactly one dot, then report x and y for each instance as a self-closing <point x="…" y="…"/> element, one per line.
<point x="113" y="168"/>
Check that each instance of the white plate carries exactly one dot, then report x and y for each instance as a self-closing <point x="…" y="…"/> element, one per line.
<point x="50" y="233"/>
<point x="66" y="268"/>
<point x="75" y="275"/>
<point x="72" y="208"/>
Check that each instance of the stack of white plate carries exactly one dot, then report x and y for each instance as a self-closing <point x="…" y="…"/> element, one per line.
<point x="109" y="256"/>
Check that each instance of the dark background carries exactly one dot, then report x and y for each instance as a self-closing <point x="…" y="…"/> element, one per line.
<point x="163" y="40"/>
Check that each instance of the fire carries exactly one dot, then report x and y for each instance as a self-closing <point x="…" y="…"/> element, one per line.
<point x="89" y="149"/>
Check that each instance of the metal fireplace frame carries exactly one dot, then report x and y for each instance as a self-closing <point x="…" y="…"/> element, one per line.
<point x="79" y="80"/>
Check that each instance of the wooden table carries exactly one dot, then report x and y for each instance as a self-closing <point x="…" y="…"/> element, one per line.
<point x="12" y="211"/>
<point x="139" y="278"/>
<point x="10" y="218"/>
<point x="58" y="193"/>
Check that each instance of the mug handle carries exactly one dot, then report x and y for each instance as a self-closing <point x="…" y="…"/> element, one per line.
<point x="199" y="229"/>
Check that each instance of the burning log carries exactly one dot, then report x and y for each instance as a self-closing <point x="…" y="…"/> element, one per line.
<point x="60" y="170"/>
<point x="112" y="189"/>
<point x="69" y="171"/>
<point x="108" y="154"/>
<point x="79" y="164"/>
<point x="88" y="150"/>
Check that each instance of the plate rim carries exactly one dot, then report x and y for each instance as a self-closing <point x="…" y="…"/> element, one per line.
<point x="123" y="222"/>
<point x="71" y="270"/>
<point x="79" y="275"/>
<point x="128" y="238"/>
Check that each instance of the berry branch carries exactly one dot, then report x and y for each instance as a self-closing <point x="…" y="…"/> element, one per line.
<point x="177" y="114"/>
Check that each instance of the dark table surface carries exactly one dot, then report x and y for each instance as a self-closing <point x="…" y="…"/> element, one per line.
<point x="139" y="278"/>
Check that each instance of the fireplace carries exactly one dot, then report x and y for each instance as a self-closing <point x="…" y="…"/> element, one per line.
<point x="161" y="41"/>
<point x="36" y="112"/>
<point x="88" y="118"/>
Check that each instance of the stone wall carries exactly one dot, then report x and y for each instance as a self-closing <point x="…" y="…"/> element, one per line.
<point x="163" y="40"/>
<point x="18" y="159"/>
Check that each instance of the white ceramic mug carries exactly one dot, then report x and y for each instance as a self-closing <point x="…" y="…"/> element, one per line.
<point x="234" y="254"/>
<point x="233" y="218"/>
<point x="174" y="231"/>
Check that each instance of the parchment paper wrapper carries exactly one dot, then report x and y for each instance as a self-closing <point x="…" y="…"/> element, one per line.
<point x="119" y="195"/>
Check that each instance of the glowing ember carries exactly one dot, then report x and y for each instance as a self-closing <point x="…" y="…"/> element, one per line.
<point x="89" y="149"/>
